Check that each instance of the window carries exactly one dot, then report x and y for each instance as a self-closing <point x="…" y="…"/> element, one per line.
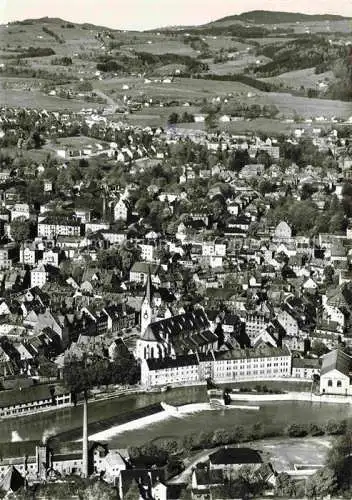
<point x="339" y="383"/>
<point x="329" y="383"/>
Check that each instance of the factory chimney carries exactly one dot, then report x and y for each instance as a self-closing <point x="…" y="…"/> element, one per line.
<point x="85" y="438"/>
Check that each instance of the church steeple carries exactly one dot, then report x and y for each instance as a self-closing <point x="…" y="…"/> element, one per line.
<point x="148" y="292"/>
<point x="147" y="309"/>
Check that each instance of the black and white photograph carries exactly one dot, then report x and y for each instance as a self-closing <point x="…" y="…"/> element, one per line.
<point x="175" y="250"/>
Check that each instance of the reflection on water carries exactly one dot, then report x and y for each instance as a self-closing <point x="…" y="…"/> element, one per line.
<point x="15" y="437"/>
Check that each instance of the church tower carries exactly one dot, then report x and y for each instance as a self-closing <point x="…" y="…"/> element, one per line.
<point x="147" y="306"/>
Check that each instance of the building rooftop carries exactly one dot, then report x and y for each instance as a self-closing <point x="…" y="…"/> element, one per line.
<point x="336" y="360"/>
<point x="239" y="456"/>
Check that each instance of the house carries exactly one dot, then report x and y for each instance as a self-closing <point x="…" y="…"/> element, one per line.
<point x="251" y="170"/>
<point x="336" y="373"/>
<point x="11" y="480"/>
<point x="198" y="118"/>
<point x="149" y="483"/>
<point x="51" y="256"/>
<point x="119" y="316"/>
<point x="122" y="210"/>
<point x="39" y="276"/>
<point x="310" y="286"/>
<point x="288" y="322"/>
<point x="225" y="118"/>
<point x="148" y="250"/>
<point x="204" y="478"/>
<point x="140" y="270"/>
<point x="20" y="210"/>
<point x="110" y="463"/>
<point x="48" y="186"/>
<point x="4" y="308"/>
<point x="29" y="255"/>
<point x="50" y="227"/>
<point x="29" y="400"/>
<point x="305" y="368"/>
<point x="117" y="347"/>
<point x="9" y="254"/>
<point x="282" y="233"/>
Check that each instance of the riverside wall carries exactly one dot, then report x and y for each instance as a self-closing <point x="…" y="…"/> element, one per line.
<point x="291" y="396"/>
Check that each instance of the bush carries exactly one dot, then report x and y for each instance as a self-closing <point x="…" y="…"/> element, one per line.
<point x="315" y="430"/>
<point x="335" y="428"/>
<point x="37" y="52"/>
<point x="296" y="430"/>
<point x="62" y="61"/>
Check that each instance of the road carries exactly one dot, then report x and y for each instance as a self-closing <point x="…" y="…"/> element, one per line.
<point x="202" y="456"/>
<point x="109" y="100"/>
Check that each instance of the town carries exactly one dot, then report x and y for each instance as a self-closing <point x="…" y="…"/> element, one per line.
<point x="183" y="270"/>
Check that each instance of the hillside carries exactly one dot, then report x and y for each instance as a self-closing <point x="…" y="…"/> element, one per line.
<point x="67" y="64"/>
<point x="60" y="23"/>
<point x="276" y="17"/>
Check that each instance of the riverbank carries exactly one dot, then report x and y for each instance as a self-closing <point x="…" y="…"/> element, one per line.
<point x="292" y="396"/>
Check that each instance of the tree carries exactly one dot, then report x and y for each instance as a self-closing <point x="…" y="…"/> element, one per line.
<point x="266" y="186"/>
<point x="284" y="485"/>
<point x="296" y="430"/>
<point x="315" y="430"/>
<point x="173" y="119"/>
<point x="221" y="436"/>
<point x="329" y="274"/>
<point x="334" y="427"/>
<point x="324" y="482"/>
<point x="319" y="348"/>
<point x="340" y="459"/>
<point x="100" y="490"/>
<point x="142" y="207"/>
<point x="20" y="231"/>
<point x="210" y="122"/>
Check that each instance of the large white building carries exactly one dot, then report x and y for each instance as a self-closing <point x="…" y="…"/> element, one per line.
<point x="230" y="366"/>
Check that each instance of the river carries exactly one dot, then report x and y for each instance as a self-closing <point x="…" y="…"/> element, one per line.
<point x="34" y="427"/>
<point x="270" y="414"/>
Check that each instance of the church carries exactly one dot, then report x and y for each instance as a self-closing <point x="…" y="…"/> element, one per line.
<point x="171" y="336"/>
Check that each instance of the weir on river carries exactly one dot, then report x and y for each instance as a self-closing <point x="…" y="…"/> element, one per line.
<point x="108" y="415"/>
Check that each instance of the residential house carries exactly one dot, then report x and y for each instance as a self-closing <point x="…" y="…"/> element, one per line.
<point x="9" y="254"/>
<point x="54" y="226"/>
<point x="122" y="210"/>
<point x="304" y="368"/>
<point x="140" y="270"/>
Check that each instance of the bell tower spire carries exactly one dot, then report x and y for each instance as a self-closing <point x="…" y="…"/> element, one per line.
<point x="147" y="309"/>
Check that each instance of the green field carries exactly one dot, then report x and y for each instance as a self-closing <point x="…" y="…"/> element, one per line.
<point x="290" y="105"/>
<point x="216" y="43"/>
<point x="181" y="88"/>
<point x="303" y="77"/>
<point x="35" y="99"/>
<point x="237" y="65"/>
<point x="162" y="47"/>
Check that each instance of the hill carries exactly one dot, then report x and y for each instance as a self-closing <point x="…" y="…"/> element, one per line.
<point x="60" y="23"/>
<point x="277" y="17"/>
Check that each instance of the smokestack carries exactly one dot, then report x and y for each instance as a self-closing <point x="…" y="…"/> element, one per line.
<point x="85" y="438"/>
<point x="104" y="207"/>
